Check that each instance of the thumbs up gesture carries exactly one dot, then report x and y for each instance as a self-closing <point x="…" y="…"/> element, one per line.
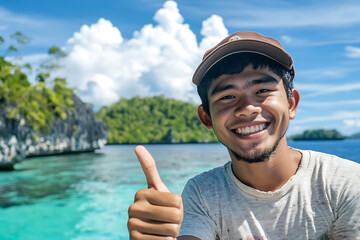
<point x="156" y="212"/>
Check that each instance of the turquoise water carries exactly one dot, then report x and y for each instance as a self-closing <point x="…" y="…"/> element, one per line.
<point x="86" y="196"/>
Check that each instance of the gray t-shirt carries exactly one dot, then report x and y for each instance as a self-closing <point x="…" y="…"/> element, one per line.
<point x="321" y="201"/>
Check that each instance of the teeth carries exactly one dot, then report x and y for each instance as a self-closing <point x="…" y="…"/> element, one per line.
<point x="251" y="130"/>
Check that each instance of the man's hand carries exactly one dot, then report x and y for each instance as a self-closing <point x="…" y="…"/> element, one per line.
<point x="156" y="212"/>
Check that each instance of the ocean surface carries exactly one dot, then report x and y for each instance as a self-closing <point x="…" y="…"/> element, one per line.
<point x="86" y="196"/>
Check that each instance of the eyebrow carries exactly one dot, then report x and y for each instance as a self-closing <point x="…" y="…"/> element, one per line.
<point x="264" y="79"/>
<point x="222" y="88"/>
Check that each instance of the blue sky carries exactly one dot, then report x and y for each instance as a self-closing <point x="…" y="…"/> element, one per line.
<point x="148" y="47"/>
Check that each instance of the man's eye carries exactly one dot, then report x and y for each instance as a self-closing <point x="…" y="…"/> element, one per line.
<point x="228" y="97"/>
<point x="263" y="91"/>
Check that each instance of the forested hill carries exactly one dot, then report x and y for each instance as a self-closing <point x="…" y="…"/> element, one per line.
<point x="318" y="134"/>
<point x="154" y="120"/>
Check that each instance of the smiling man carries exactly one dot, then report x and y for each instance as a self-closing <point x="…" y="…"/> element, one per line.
<point x="268" y="190"/>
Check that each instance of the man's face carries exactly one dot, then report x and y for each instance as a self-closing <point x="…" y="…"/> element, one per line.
<point x="249" y="112"/>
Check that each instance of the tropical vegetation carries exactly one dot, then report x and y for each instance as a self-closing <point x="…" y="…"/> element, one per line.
<point x="39" y="104"/>
<point x="154" y="120"/>
<point x="318" y="134"/>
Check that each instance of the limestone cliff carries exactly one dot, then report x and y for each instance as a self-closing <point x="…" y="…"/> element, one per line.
<point x="81" y="131"/>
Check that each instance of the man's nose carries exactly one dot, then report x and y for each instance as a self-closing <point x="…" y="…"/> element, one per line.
<point x="246" y="107"/>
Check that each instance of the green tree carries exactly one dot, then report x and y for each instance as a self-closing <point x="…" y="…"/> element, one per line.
<point x="20" y="38"/>
<point x="56" y="52"/>
<point x="41" y="77"/>
<point x="52" y="63"/>
<point x="154" y="120"/>
<point x="11" y="49"/>
<point x="318" y="134"/>
<point x="39" y="104"/>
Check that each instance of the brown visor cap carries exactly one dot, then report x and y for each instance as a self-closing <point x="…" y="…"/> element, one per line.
<point x="243" y="42"/>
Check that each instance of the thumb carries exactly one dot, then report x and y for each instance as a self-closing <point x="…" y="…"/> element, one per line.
<point x="149" y="168"/>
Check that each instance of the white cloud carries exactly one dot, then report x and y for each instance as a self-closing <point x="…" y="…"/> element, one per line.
<point x="159" y="59"/>
<point x="331" y="104"/>
<point x="346" y="122"/>
<point x="286" y="39"/>
<point x="304" y="41"/>
<point x="35" y="59"/>
<point x="295" y="129"/>
<point x="339" y="115"/>
<point x="326" y="89"/>
<point x="334" y="72"/>
<point x="213" y="30"/>
<point x="329" y="15"/>
<point x="99" y="35"/>
<point x="350" y="123"/>
<point x="352" y="52"/>
<point x="7" y="17"/>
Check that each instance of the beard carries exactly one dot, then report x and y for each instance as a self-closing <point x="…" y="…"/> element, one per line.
<point x="256" y="157"/>
<point x="259" y="156"/>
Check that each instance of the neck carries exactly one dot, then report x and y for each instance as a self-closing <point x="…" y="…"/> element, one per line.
<point x="271" y="174"/>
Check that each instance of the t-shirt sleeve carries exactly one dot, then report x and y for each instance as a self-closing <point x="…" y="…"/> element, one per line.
<point x="347" y="223"/>
<point x="197" y="220"/>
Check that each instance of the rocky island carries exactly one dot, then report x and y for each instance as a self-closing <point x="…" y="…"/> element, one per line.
<point x="42" y="120"/>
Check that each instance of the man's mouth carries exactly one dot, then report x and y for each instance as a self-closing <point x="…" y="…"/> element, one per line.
<point x="248" y="130"/>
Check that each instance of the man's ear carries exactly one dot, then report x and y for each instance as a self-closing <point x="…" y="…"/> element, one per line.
<point x="204" y="117"/>
<point x="293" y="103"/>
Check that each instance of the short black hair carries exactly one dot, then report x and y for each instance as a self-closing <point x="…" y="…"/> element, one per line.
<point x="235" y="64"/>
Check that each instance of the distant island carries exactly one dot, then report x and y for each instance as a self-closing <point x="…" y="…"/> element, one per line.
<point x="318" y="134"/>
<point x="355" y="136"/>
<point x="155" y="119"/>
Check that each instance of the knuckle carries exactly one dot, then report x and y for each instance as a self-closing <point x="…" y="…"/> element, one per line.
<point x="132" y="209"/>
<point x="168" y="238"/>
<point x="178" y="200"/>
<point x="176" y="216"/>
<point x="131" y="223"/>
<point x="134" y="235"/>
<point x="174" y="230"/>
<point x="141" y="194"/>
